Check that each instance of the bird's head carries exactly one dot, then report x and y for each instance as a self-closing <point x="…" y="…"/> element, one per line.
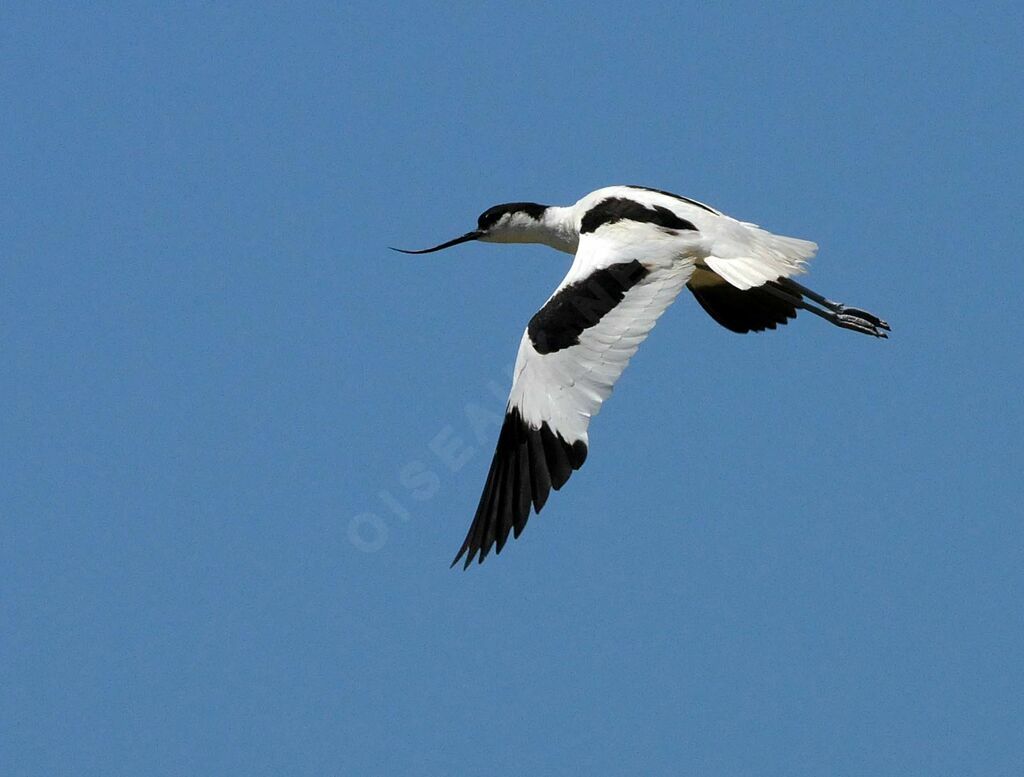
<point x="511" y="222"/>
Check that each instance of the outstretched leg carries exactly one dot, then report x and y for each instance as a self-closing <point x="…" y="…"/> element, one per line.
<point x="834" y="312"/>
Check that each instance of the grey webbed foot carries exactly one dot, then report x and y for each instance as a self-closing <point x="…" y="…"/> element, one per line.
<point x="871" y="318"/>
<point x="860" y="321"/>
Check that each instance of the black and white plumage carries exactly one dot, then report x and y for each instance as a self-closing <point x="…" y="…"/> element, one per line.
<point x="635" y="249"/>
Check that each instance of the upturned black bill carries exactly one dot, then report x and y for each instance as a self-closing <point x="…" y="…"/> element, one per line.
<point x="474" y="235"/>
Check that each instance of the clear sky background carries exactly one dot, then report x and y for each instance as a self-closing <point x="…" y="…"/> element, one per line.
<point x="225" y="531"/>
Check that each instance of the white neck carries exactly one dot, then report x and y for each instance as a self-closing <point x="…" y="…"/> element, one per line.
<point x="559" y="229"/>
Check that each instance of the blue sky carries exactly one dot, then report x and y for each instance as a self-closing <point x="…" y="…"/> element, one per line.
<point x="226" y="529"/>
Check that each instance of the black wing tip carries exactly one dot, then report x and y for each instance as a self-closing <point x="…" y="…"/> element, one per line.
<point x="474" y="553"/>
<point x="458" y="556"/>
<point x="527" y="464"/>
<point x="578" y="454"/>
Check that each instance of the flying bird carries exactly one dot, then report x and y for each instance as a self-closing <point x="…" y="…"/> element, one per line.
<point x="635" y="249"/>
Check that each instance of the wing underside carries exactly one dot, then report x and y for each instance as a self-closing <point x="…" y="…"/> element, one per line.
<point x="753" y="310"/>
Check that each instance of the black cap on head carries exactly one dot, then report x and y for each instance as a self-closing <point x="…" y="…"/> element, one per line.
<point x="491" y="216"/>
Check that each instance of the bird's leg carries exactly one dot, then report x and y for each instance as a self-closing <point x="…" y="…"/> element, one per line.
<point x="833" y="312"/>
<point x="838" y="307"/>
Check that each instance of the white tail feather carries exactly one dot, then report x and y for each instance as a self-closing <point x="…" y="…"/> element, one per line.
<point x="764" y="257"/>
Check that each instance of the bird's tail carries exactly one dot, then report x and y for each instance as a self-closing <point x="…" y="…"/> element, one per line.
<point x="765" y="257"/>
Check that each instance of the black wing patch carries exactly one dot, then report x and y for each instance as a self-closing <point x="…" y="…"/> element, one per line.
<point x="581" y="305"/>
<point x="527" y="464"/>
<point x="613" y="209"/>
<point x="708" y="208"/>
<point x="752" y="310"/>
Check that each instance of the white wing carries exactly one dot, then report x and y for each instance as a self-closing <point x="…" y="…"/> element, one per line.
<point x="571" y="354"/>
